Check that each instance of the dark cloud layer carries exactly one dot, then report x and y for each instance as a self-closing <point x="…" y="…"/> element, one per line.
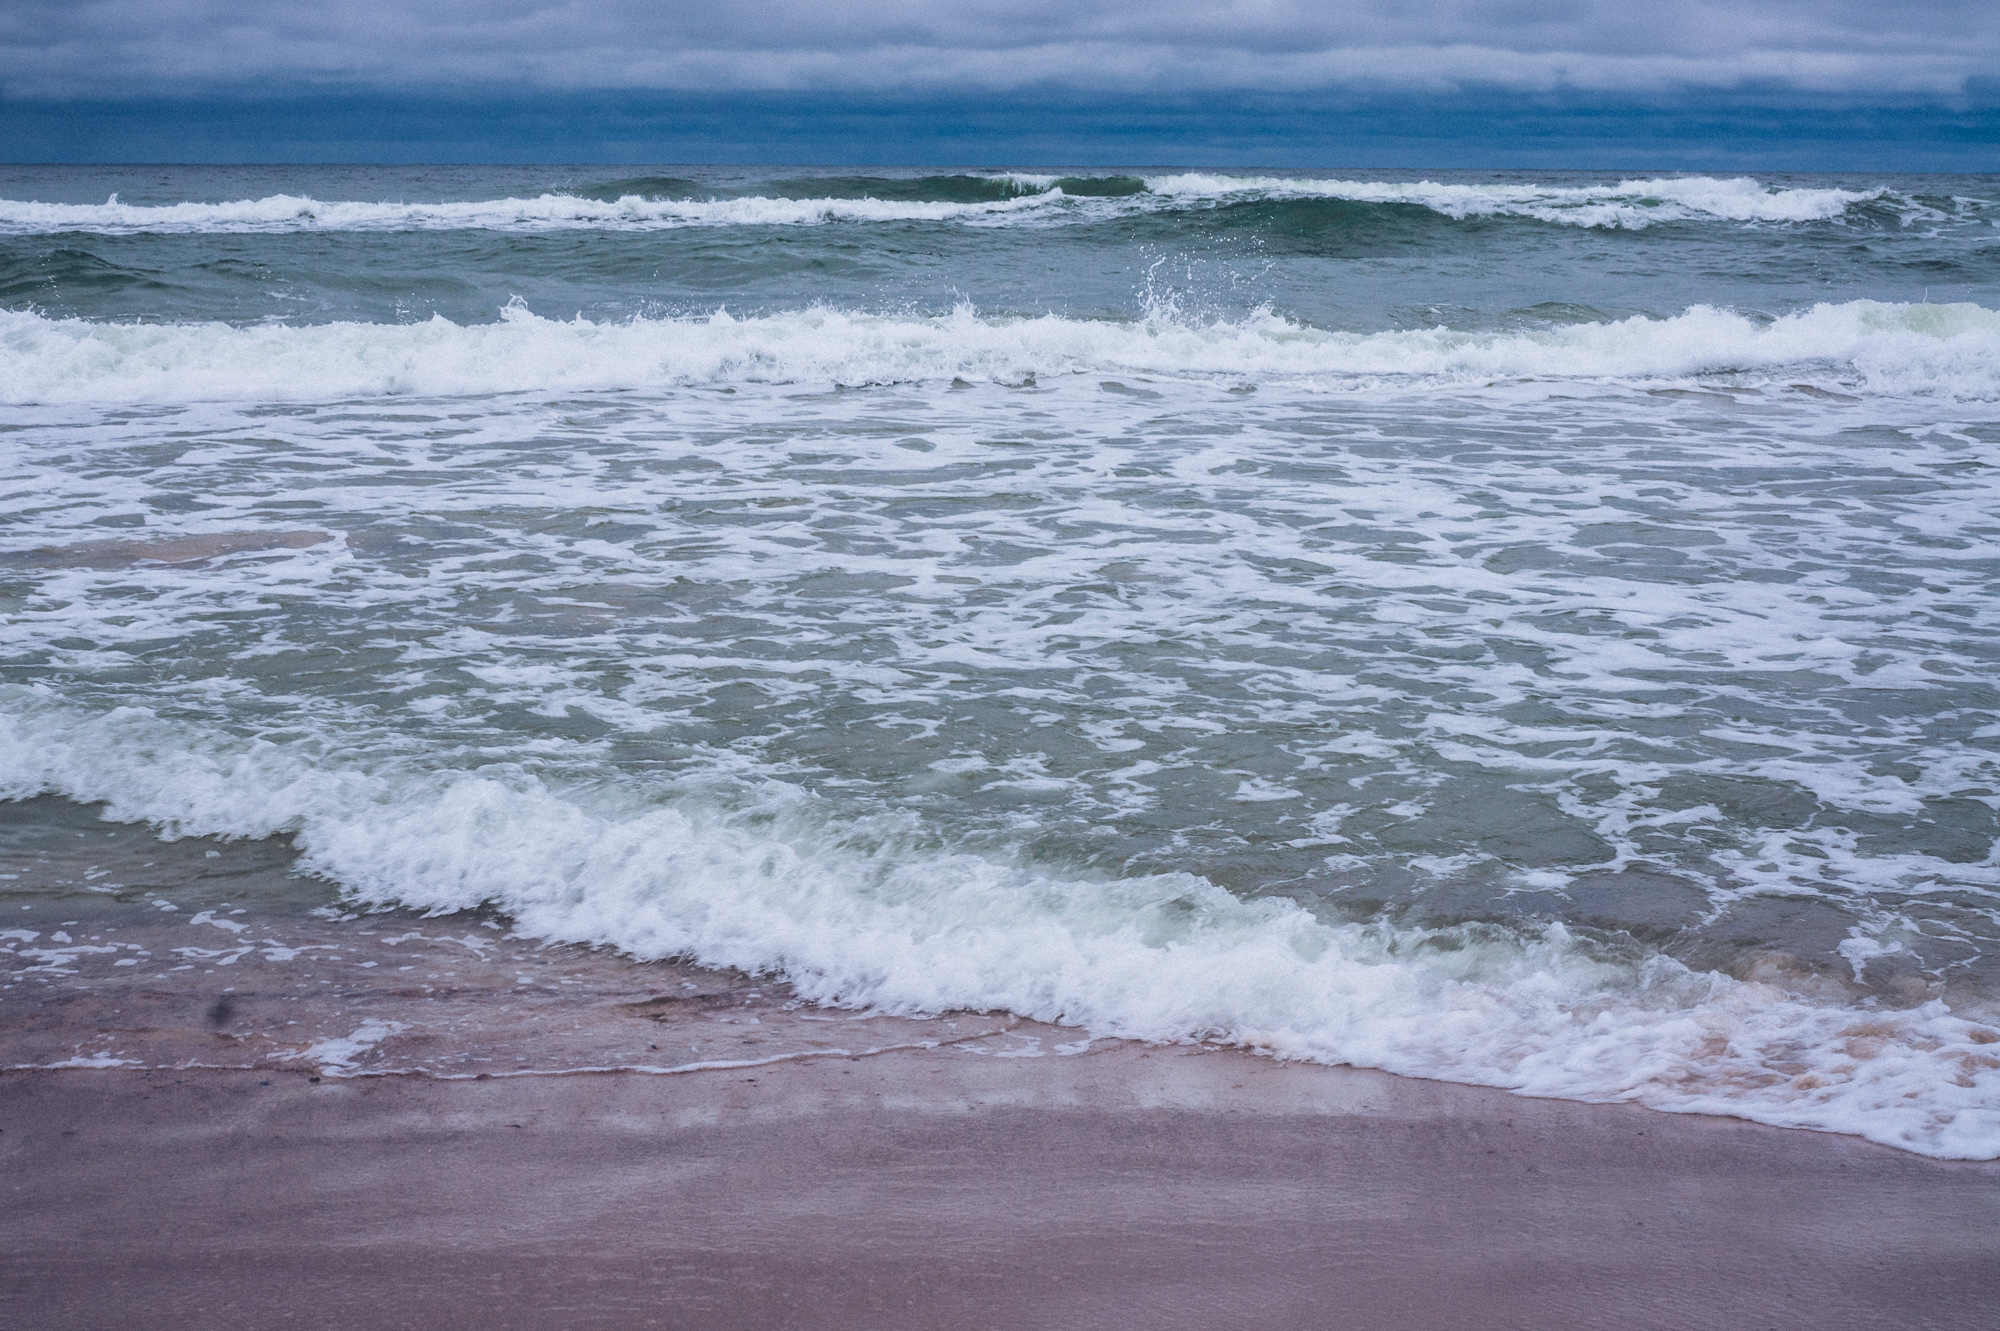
<point x="116" y="48"/>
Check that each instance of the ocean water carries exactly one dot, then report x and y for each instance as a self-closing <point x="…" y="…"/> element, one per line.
<point x="1535" y="630"/>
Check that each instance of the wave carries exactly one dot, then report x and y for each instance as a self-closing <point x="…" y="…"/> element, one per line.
<point x="872" y="914"/>
<point x="956" y="188"/>
<point x="641" y="187"/>
<point x="1629" y="204"/>
<point x="1867" y="346"/>
<point x="546" y="212"/>
<point x="24" y="278"/>
<point x="889" y="189"/>
<point x="642" y="203"/>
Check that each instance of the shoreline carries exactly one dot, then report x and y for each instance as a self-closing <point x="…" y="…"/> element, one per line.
<point x="122" y="949"/>
<point x="409" y="1138"/>
<point x="207" y="954"/>
<point x="1171" y="1186"/>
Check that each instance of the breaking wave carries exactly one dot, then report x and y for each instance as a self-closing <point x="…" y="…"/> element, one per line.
<point x="648" y="202"/>
<point x="1869" y="346"/>
<point x="873" y="914"/>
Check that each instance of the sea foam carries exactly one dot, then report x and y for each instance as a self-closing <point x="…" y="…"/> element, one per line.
<point x="1947" y="350"/>
<point x="546" y="212"/>
<point x="1629" y="204"/>
<point x="872" y="914"/>
<point x="1625" y="204"/>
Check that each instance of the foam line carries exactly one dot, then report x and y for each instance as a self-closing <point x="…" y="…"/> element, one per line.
<point x="1953" y="350"/>
<point x="1626" y="204"/>
<point x="889" y="921"/>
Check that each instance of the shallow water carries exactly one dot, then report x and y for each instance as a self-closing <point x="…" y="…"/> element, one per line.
<point x="118" y="950"/>
<point x="1525" y="630"/>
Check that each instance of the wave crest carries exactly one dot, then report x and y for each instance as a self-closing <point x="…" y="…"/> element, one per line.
<point x="1629" y="204"/>
<point x="650" y="202"/>
<point x="872" y="915"/>
<point x="1948" y="350"/>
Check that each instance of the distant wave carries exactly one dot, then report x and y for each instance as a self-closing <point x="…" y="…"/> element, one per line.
<point x="1628" y="204"/>
<point x="1949" y="350"/>
<point x="643" y="203"/>
<point x="547" y="212"/>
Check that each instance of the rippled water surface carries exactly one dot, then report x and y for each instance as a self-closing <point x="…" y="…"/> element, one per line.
<point x="1536" y="630"/>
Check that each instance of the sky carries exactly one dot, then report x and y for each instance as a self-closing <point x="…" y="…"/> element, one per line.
<point x="1799" y="82"/>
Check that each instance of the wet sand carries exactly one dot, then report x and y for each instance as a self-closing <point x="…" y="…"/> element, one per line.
<point x="279" y="1113"/>
<point x="1125" y="1187"/>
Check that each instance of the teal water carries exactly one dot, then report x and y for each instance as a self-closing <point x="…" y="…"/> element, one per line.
<point x="1514" y="628"/>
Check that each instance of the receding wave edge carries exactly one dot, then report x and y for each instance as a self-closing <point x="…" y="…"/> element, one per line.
<point x="878" y="916"/>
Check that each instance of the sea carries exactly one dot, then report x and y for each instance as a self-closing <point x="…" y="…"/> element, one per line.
<point x="1535" y="630"/>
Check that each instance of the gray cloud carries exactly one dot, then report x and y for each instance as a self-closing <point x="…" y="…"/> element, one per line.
<point x="62" y="48"/>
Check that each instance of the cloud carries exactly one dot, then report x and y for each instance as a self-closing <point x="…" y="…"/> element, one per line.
<point x="114" y="48"/>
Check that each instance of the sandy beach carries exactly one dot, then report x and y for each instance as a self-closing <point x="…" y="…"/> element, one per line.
<point x="322" y="1119"/>
<point x="1124" y="1187"/>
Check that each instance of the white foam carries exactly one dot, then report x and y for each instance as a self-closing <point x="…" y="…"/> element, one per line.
<point x="339" y="1054"/>
<point x="1623" y="204"/>
<point x="79" y="1061"/>
<point x="546" y="212"/>
<point x="871" y="915"/>
<point x="1952" y="350"/>
<point x="1629" y="204"/>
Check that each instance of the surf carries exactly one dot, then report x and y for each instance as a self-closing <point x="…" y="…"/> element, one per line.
<point x="876" y="915"/>
<point x="1950" y="351"/>
<point x="1011" y="198"/>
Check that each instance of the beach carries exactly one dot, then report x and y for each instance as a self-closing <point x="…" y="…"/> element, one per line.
<point x="323" y="1118"/>
<point x="1133" y="1186"/>
<point x="758" y="746"/>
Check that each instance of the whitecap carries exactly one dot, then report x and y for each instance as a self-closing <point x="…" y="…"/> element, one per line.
<point x="1868" y="346"/>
